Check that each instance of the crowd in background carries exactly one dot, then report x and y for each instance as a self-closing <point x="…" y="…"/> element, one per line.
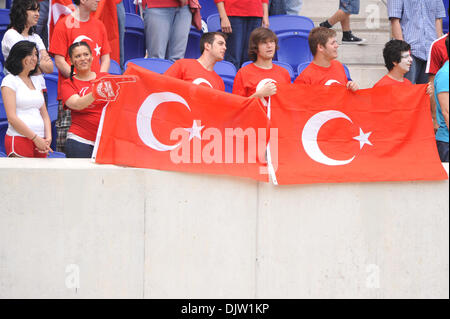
<point x="417" y="55"/>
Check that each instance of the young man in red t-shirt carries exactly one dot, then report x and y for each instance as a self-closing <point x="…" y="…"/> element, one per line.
<point x="398" y="61"/>
<point x="436" y="59"/>
<point x="76" y="27"/>
<point x="258" y="78"/>
<point x="201" y="71"/>
<point x="324" y="69"/>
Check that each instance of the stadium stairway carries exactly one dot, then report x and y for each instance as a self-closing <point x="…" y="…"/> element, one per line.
<point x="364" y="61"/>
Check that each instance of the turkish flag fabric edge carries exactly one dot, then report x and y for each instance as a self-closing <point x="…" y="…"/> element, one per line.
<point x="403" y="146"/>
<point x="107" y="13"/>
<point x="121" y="143"/>
<point x="57" y="10"/>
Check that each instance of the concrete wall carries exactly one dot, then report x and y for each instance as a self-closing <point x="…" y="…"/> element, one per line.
<point x="73" y="229"/>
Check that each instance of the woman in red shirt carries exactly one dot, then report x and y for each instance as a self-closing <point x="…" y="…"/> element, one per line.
<point x="77" y="96"/>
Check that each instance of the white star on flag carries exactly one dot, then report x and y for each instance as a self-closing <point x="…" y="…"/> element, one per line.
<point x="97" y="49"/>
<point x="363" y="138"/>
<point x="195" y="131"/>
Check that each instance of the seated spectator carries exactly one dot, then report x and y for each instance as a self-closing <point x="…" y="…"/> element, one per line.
<point x="201" y="71"/>
<point x="346" y="8"/>
<point x="29" y="131"/>
<point x="441" y="83"/>
<point x="258" y="78"/>
<point x="77" y="95"/>
<point x="238" y="18"/>
<point x="418" y="23"/>
<point x="24" y="16"/>
<point x="398" y="60"/>
<point x="436" y="60"/>
<point x="167" y="26"/>
<point x="324" y="69"/>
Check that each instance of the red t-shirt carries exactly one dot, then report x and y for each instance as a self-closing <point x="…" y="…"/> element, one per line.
<point x="85" y="122"/>
<point x="386" y="80"/>
<point x="66" y="32"/>
<point x="192" y="71"/>
<point x="314" y="74"/>
<point x="161" y="3"/>
<point x="250" y="76"/>
<point x="438" y="56"/>
<point x="243" y="8"/>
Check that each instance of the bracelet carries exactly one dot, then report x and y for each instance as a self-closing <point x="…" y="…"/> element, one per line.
<point x="35" y="135"/>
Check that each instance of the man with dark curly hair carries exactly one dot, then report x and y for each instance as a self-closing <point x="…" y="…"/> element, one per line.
<point x="398" y="60"/>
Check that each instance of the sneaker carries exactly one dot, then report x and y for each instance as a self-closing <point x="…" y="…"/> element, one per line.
<point x="350" y="38"/>
<point x="326" y="24"/>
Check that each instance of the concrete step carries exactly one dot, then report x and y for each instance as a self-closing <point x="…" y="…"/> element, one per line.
<point x="326" y="8"/>
<point x="360" y="24"/>
<point x="366" y="76"/>
<point x="371" y="54"/>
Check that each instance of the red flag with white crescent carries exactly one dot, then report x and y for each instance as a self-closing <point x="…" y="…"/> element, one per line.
<point x="58" y="9"/>
<point x="107" y="13"/>
<point x="332" y="135"/>
<point x="164" y="123"/>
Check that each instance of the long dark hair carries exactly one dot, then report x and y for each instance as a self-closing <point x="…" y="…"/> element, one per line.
<point x="18" y="14"/>
<point x="18" y="52"/>
<point x="71" y="48"/>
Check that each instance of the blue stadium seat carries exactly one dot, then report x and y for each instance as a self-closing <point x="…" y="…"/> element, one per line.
<point x="287" y="66"/>
<point x="290" y="23"/>
<point x="56" y="155"/>
<point x="156" y="65"/>
<point x="294" y="48"/>
<point x="51" y="81"/>
<point x="4" y="22"/>
<point x="55" y="69"/>
<point x="2" y="154"/>
<point x="303" y="66"/>
<point x="130" y="7"/>
<point x="114" y="68"/>
<point x="208" y="8"/>
<point x="227" y="71"/>
<point x="134" y="41"/>
<point x="446" y="19"/>
<point x="3" y="129"/>
<point x="213" y="23"/>
<point x="193" y="45"/>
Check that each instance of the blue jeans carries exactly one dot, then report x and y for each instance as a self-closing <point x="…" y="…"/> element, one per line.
<point x="442" y="150"/>
<point x="41" y="27"/>
<point x="237" y="42"/>
<point x="277" y="7"/>
<point x="75" y="149"/>
<point x="349" y="6"/>
<point x="417" y="74"/>
<point x="121" y="21"/>
<point x="167" y="32"/>
<point x="293" y="7"/>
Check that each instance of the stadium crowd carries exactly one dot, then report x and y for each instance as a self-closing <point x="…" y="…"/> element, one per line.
<point x="417" y="54"/>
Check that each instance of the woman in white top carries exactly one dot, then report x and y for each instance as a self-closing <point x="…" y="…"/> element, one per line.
<point x="29" y="131"/>
<point x="24" y="16"/>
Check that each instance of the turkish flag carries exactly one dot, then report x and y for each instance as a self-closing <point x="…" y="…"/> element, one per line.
<point x="58" y="9"/>
<point x="164" y="123"/>
<point x="107" y="13"/>
<point x="332" y="135"/>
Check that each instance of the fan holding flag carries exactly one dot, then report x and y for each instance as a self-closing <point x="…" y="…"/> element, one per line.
<point x="85" y="94"/>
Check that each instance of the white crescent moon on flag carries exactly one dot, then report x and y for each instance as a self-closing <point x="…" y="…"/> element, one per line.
<point x="81" y="38"/>
<point x="329" y="82"/>
<point x="309" y="137"/>
<point x="145" y="115"/>
<point x="200" y="81"/>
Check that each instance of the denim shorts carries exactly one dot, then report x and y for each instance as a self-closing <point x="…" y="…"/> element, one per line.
<point x="349" y="6"/>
